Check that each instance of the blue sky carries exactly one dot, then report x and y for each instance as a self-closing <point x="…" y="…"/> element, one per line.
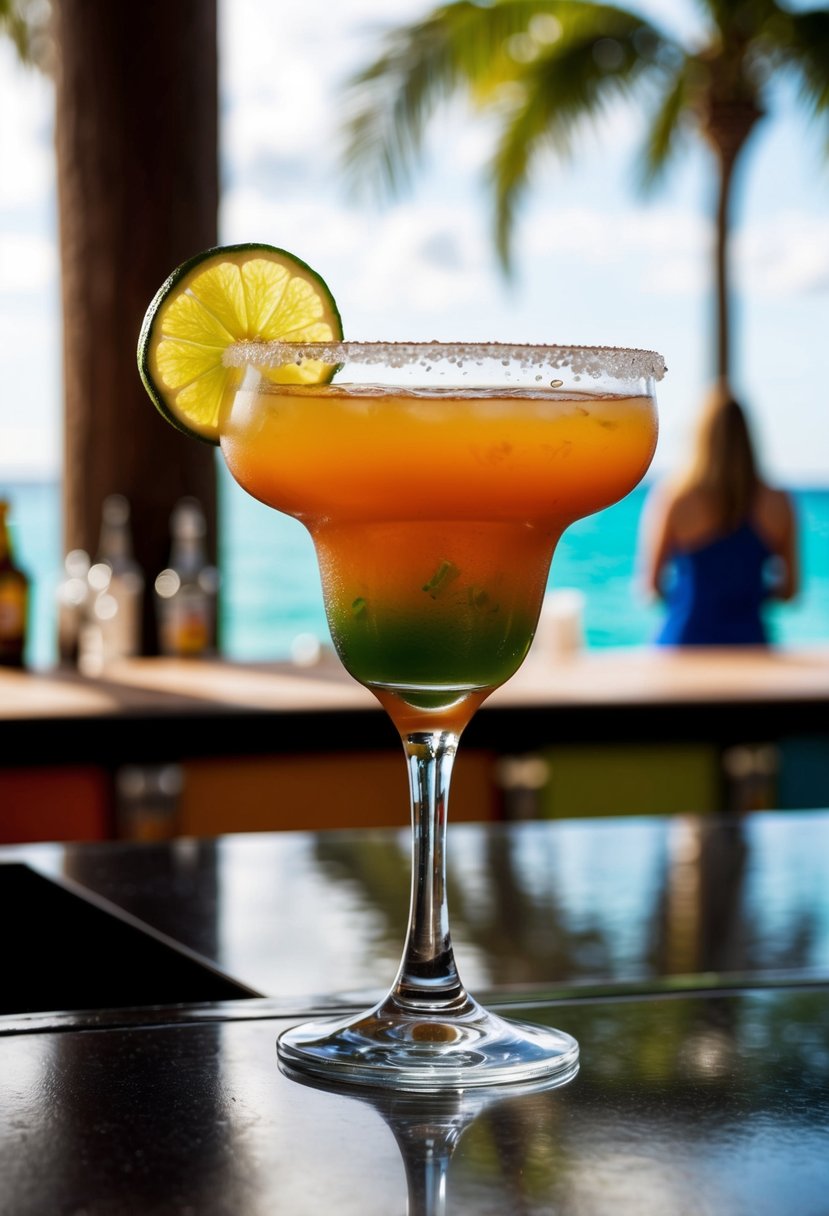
<point x="595" y="263"/>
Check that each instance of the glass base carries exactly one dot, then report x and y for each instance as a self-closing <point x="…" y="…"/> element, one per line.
<point x="427" y="1052"/>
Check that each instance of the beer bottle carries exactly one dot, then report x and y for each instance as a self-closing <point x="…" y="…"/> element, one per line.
<point x="186" y="591"/>
<point x="14" y="599"/>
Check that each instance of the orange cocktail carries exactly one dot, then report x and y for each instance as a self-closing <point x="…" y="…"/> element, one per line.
<point x="435" y="479"/>
<point x="435" y="513"/>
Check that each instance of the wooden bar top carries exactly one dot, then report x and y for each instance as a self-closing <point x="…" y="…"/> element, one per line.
<point x="603" y="678"/>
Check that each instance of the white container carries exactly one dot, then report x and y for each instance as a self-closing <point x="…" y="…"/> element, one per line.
<point x="560" y="629"/>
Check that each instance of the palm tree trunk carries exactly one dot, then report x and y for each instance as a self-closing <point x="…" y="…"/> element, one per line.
<point x="722" y="313"/>
<point x="727" y="127"/>
<point x="136" y="136"/>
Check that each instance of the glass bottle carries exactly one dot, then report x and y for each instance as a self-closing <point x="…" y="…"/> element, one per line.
<point x="73" y="605"/>
<point x="14" y="599"/>
<point x="186" y="591"/>
<point x="117" y="583"/>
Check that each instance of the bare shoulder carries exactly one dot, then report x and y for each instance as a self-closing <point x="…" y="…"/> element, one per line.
<point x="692" y="515"/>
<point x="774" y="512"/>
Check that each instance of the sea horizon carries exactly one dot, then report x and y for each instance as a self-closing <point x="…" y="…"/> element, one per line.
<point x="271" y="596"/>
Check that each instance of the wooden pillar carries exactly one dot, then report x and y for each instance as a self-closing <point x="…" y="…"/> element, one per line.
<point x="137" y="155"/>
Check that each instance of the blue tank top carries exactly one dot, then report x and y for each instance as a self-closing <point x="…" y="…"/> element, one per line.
<point x="716" y="595"/>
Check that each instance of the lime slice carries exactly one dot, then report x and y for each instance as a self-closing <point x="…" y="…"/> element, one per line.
<point x="225" y="295"/>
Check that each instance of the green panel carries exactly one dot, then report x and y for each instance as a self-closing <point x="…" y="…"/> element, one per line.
<point x="631" y="780"/>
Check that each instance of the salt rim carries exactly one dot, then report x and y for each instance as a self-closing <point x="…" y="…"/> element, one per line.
<point x="617" y="362"/>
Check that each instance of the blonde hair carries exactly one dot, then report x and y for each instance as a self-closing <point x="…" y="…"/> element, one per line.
<point x="722" y="461"/>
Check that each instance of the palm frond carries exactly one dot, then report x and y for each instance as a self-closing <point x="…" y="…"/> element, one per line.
<point x="575" y="82"/>
<point x="466" y="46"/>
<point x="807" y="53"/>
<point x="738" y="21"/>
<point x="666" y="125"/>
<point x="510" y="172"/>
<point x="390" y="102"/>
<point x="25" y="22"/>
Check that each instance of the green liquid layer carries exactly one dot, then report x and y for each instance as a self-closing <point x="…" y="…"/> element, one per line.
<point x="431" y="651"/>
<point x="433" y="610"/>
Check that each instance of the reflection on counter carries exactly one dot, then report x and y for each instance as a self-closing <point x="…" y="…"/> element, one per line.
<point x="681" y="1105"/>
<point x="604" y="904"/>
<point x="699" y="1104"/>
<point x="428" y="1128"/>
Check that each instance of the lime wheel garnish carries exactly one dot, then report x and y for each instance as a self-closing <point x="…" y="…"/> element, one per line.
<point x="230" y="294"/>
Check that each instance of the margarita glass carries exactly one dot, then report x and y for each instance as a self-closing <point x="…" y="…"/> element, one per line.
<point x="435" y="480"/>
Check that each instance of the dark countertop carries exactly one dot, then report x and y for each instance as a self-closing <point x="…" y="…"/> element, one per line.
<point x="690" y="957"/>
<point x="688" y="1106"/>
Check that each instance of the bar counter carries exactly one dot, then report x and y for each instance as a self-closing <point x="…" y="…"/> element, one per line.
<point x="661" y="691"/>
<point x="240" y="731"/>
<point x="688" y="955"/>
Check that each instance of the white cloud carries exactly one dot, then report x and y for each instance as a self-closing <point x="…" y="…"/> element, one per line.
<point x="785" y="255"/>
<point x="30" y="405"/>
<point x="314" y="228"/>
<point x="270" y="124"/>
<point x="29" y="451"/>
<point x="680" y="274"/>
<point x="28" y="264"/>
<point x="26" y="108"/>
<point x="262" y="42"/>
<point x="427" y="261"/>
<point x="405" y="266"/>
<point x="666" y="249"/>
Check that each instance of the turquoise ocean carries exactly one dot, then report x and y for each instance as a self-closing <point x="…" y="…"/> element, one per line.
<point x="271" y="593"/>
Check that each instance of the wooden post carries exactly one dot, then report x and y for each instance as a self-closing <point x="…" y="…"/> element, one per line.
<point x="137" y="156"/>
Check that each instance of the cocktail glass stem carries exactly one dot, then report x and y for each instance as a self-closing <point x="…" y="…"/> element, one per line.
<point x="428" y="979"/>
<point x="428" y="1033"/>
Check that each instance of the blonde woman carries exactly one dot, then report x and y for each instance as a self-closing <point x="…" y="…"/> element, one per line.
<point x="718" y="542"/>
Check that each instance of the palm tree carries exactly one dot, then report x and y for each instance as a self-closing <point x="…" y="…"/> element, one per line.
<point x="541" y="67"/>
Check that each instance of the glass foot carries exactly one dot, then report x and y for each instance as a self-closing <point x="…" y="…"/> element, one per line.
<point x="426" y="1052"/>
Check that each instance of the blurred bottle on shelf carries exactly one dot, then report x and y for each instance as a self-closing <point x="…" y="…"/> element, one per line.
<point x="73" y="605"/>
<point x="187" y="590"/>
<point x="112" y="625"/>
<point x="147" y="800"/>
<point x="14" y="599"/>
